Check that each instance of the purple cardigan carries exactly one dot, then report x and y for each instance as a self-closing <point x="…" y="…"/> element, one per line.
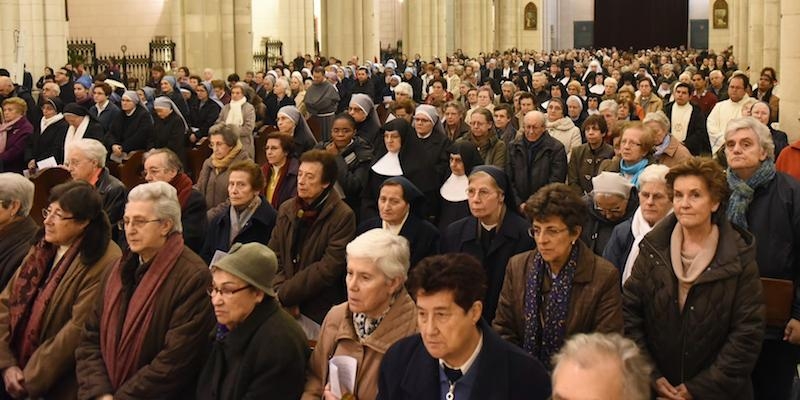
<point x="13" y="158"/>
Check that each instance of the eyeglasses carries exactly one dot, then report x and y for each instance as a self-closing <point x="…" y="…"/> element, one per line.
<point x="626" y="142"/>
<point x="56" y="215"/>
<point x="213" y="145"/>
<point x="224" y="292"/>
<point x="607" y="212"/>
<point x="134" y="223"/>
<point x="547" y="233"/>
<point x="481" y="193"/>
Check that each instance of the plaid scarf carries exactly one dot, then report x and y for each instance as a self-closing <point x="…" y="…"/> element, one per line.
<point x="545" y="327"/>
<point x="742" y="192"/>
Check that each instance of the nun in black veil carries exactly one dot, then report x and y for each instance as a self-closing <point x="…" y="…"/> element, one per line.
<point x="464" y="157"/>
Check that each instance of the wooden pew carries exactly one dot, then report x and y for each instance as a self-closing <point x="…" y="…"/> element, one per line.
<point x="43" y="181"/>
<point x="196" y="156"/>
<point x="316" y="127"/>
<point x="261" y="142"/>
<point x="130" y="171"/>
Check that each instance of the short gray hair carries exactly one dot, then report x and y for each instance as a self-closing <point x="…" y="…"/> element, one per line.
<point x="653" y="173"/>
<point x="404" y="87"/>
<point x="608" y="105"/>
<point x="172" y="162"/>
<point x="92" y="149"/>
<point x="388" y="251"/>
<point x="164" y="198"/>
<point x="52" y="85"/>
<point x="17" y="187"/>
<point x="762" y="133"/>
<point x="599" y="350"/>
<point x="658" y="117"/>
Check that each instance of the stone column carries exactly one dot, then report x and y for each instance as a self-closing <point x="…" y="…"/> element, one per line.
<point x="34" y="33"/>
<point x="349" y="28"/>
<point x="474" y="26"/>
<point x="296" y="21"/>
<point x="755" y="38"/>
<point x="740" y="49"/>
<point x="789" y="64"/>
<point x="242" y="36"/>
<point x="203" y="37"/>
<point x="772" y="33"/>
<point x="507" y="16"/>
<point x="426" y="29"/>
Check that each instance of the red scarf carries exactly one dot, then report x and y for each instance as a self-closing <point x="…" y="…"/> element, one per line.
<point x="121" y="353"/>
<point x="183" y="184"/>
<point x="29" y="299"/>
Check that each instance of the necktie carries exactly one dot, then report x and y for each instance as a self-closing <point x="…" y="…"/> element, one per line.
<point x="452" y="374"/>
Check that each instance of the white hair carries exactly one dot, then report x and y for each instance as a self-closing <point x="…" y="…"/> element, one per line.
<point x="608" y="105"/>
<point x="404" y="87"/>
<point x="54" y="86"/>
<point x="17" y="187"/>
<point x="658" y="117"/>
<point x="604" y="351"/>
<point x="282" y="81"/>
<point x="388" y="251"/>
<point x="761" y="131"/>
<point x="654" y="173"/>
<point x="610" y="81"/>
<point x="91" y="148"/>
<point x="164" y="198"/>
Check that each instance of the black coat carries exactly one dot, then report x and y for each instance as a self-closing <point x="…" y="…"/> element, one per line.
<point x="170" y="133"/>
<point x="423" y="238"/>
<point x="774" y="219"/>
<point x="204" y="116"/>
<point x="504" y="372"/>
<point x="696" y="133"/>
<point x="511" y="239"/>
<point x="262" y="358"/>
<point x="429" y="169"/>
<point x="258" y="229"/>
<point x="194" y="221"/>
<point x="549" y="165"/>
<point x="352" y="165"/>
<point x="114" y="195"/>
<point x="49" y="143"/>
<point x="273" y="105"/>
<point x="107" y="117"/>
<point x="131" y="132"/>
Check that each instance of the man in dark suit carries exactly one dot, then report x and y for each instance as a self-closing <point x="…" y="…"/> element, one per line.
<point x="456" y="355"/>
<point x="687" y="121"/>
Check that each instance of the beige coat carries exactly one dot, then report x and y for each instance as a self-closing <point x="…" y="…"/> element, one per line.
<point x="338" y="337"/>
<point x="50" y="372"/>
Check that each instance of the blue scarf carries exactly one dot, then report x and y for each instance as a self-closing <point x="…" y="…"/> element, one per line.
<point x="634" y="169"/>
<point x="742" y="192"/>
<point x="546" y="328"/>
<point x="660" y="149"/>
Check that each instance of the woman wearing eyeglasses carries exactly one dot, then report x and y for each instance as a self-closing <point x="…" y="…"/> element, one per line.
<point x="492" y="233"/>
<point x="44" y="306"/>
<point x="213" y="179"/>
<point x="561" y="288"/>
<point x="260" y="352"/>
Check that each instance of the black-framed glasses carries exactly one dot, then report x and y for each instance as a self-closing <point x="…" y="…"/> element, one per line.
<point x="56" y="215"/>
<point x="224" y="292"/>
<point x="135" y="223"/>
<point x="548" y="232"/>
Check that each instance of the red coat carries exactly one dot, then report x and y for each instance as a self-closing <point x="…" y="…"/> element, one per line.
<point x="789" y="160"/>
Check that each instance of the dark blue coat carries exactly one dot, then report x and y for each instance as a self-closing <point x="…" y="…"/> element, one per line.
<point x="423" y="237"/>
<point x="512" y="238"/>
<point x="504" y="372"/>
<point x="258" y="229"/>
<point x="619" y="245"/>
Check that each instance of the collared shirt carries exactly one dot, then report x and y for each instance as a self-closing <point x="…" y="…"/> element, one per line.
<point x="463" y="387"/>
<point x="101" y="107"/>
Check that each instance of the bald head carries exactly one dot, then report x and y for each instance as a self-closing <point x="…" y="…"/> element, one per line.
<point x="6" y="86"/>
<point x="533" y="125"/>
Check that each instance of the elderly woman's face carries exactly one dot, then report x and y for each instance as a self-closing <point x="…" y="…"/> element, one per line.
<point x="399" y="96"/>
<point x="72" y="119"/>
<point x="144" y="231"/>
<point x="218" y="145"/>
<point x="165" y="86"/>
<point x="237" y="93"/>
<point x="274" y="152"/>
<point x="553" y="239"/>
<point x="8" y="210"/>
<point x="356" y="112"/>
<point x="654" y="201"/>
<point x="744" y="152"/>
<point x="692" y="201"/>
<point x="630" y="147"/>
<point x="422" y="124"/>
<point x="48" y="111"/>
<point x="80" y="167"/>
<point x="391" y="204"/>
<point x="232" y="305"/>
<point x="11" y="112"/>
<point x="659" y="133"/>
<point x="286" y="125"/>
<point x="483" y="196"/>
<point x="554" y="111"/>
<point x="610" y="206"/>
<point x="457" y="165"/>
<point x="60" y="228"/>
<point x="162" y="112"/>
<point x="574" y="109"/>
<point x="240" y="191"/>
<point x="760" y="111"/>
<point x="369" y="290"/>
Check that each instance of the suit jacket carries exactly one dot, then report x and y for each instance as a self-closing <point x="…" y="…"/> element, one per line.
<point x="504" y="372"/>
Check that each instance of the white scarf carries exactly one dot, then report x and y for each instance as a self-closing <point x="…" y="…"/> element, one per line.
<point x="50" y="121"/>
<point x="388" y="165"/>
<point x="235" y="112"/>
<point x="75" y="134"/>
<point x="455" y="188"/>
<point x="639" y="228"/>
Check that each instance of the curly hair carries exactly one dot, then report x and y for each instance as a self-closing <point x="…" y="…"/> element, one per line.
<point x="709" y="171"/>
<point x="460" y="273"/>
<point x="557" y="200"/>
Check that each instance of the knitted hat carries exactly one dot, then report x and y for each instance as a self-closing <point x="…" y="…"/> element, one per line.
<point x="611" y="183"/>
<point x="253" y="263"/>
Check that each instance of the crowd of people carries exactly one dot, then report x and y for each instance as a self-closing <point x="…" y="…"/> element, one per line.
<point x="569" y="225"/>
